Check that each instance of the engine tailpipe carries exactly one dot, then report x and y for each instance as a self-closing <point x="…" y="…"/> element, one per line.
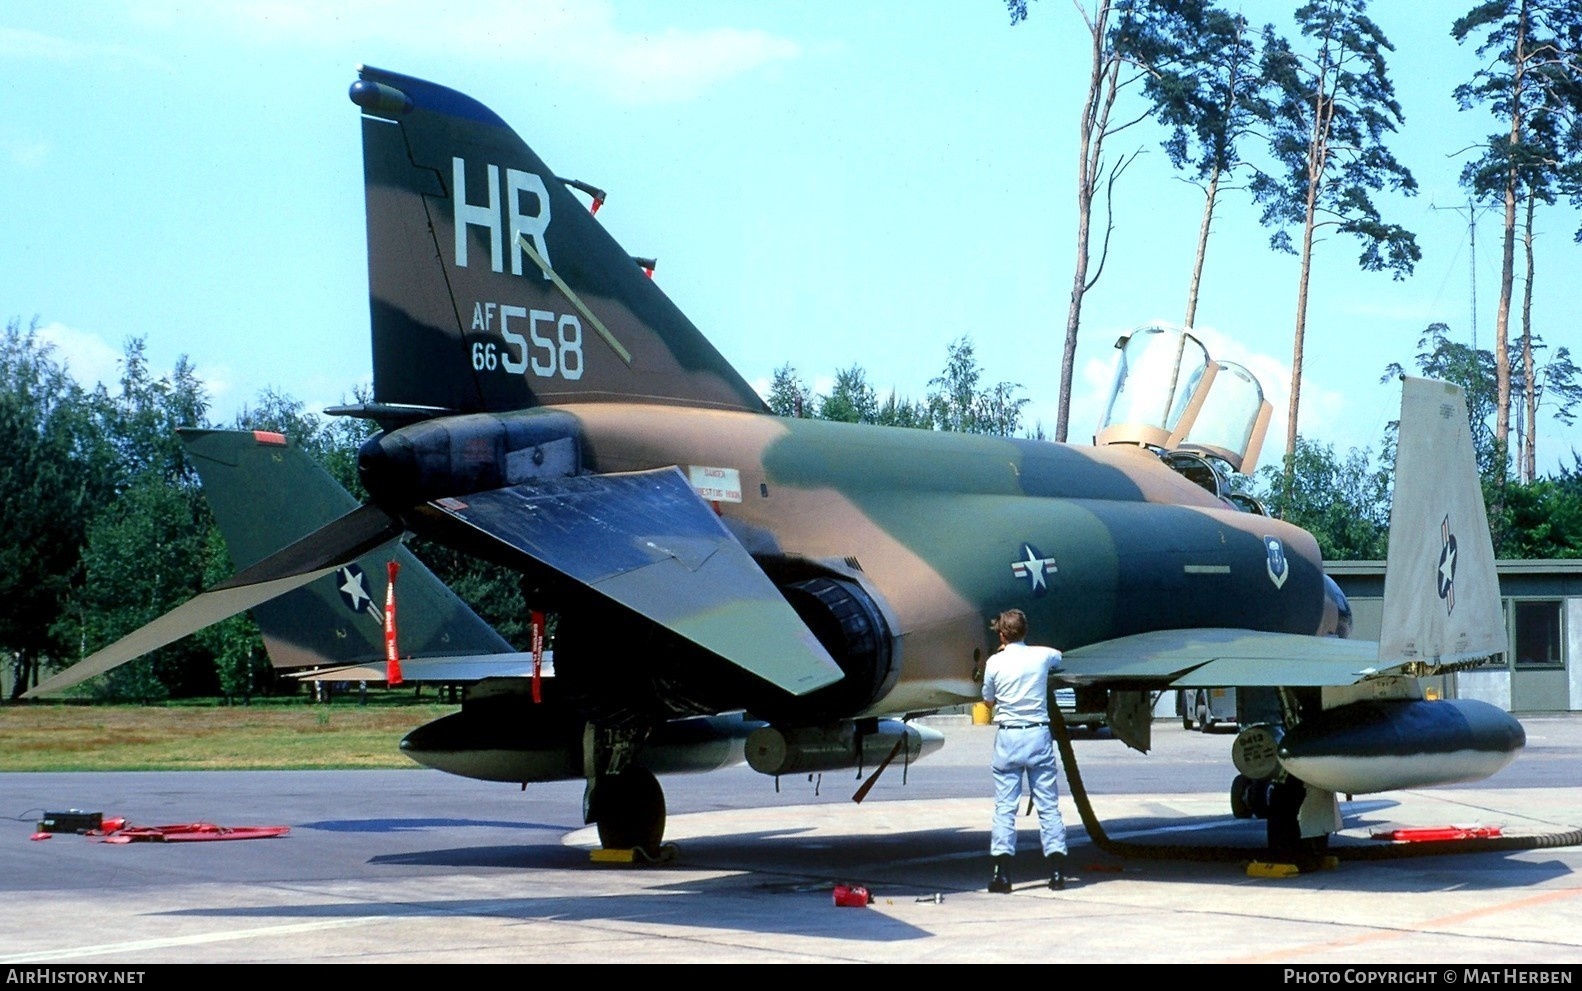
<point x="774" y="750"/>
<point x="1383" y="745"/>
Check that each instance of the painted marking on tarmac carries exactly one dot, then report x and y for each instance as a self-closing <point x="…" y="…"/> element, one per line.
<point x="196" y="939"/>
<point x="1437" y="926"/>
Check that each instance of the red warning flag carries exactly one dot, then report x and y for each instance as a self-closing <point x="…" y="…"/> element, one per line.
<point x="392" y="654"/>
<point x="538" y="653"/>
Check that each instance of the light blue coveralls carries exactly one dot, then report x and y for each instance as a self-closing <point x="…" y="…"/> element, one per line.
<point x="1016" y="683"/>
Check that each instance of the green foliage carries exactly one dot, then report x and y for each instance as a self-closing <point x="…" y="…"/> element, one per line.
<point x="1439" y="357"/>
<point x="54" y="475"/>
<point x="955" y="401"/>
<point x="332" y="442"/>
<point x="1557" y="381"/>
<point x="852" y="400"/>
<point x="1342" y="500"/>
<point x="494" y="592"/>
<point x="141" y="420"/>
<point x="1539" y="519"/>
<point x="241" y="663"/>
<point x="1213" y="97"/>
<point x="898" y="412"/>
<point x="1333" y="103"/>
<point x="789" y="395"/>
<point x="1529" y="80"/>
<point x="141" y="550"/>
<point x="144" y="557"/>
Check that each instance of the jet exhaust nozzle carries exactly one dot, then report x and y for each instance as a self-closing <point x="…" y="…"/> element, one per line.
<point x="460" y="455"/>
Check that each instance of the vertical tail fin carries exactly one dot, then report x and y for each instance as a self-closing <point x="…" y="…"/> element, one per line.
<point x="492" y="288"/>
<point x="1441" y="590"/>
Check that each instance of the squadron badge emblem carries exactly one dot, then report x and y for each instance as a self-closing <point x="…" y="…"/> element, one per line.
<point x="1279" y="567"/>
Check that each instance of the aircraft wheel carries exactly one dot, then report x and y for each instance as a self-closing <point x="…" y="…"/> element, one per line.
<point x="1239" y="805"/>
<point x="629" y="811"/>
<point x="1205" y="715"/>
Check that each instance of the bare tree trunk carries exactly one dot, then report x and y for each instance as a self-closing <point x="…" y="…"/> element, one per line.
<point x="1528" y="468"/>
<point x="1317" y="161"/>
<point x="25" y="674"/>
<point x="1502" y="319"/>
<point x="1095" y="116"/>
<point x="1296" y="354"/>
<point x="1209" y="198"/>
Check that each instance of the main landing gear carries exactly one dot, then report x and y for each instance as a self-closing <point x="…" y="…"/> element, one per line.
<point x="628" y="810"/>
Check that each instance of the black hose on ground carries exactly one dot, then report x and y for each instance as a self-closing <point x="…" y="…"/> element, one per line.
<point x="1228" y="854"/>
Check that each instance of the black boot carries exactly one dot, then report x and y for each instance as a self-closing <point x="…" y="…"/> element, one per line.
<point x="1000" y="883"/>
<point x="1057" y="871"/>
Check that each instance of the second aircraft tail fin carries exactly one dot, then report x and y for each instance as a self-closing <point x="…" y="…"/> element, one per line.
<point x="1441" y="590"/>
<point x="266" y="493"/>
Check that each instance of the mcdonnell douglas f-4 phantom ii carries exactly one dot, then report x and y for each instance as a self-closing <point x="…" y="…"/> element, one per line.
<point x="794" y="591"/>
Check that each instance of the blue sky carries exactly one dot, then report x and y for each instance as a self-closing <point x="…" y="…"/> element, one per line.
<point x="823" y="184"/>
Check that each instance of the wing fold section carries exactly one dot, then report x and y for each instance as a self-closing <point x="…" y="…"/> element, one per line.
<point x="649" y="542"/>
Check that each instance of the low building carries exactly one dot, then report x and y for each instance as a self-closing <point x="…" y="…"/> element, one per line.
<point x="1542" y="670"/>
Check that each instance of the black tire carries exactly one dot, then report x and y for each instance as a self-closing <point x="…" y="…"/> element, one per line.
<point x="629" y="811"/>
<point x="1239" y="806"/>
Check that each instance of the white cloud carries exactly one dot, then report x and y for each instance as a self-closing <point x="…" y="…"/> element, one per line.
<point x="21" y="43"/>
<point x="89" y="358"/>
<point x="579" y="40"/>
<point x="27" y="153"/>
<point x="92" y="361"/>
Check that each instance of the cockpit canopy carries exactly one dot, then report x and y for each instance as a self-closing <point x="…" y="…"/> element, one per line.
<point x="1196" y="412"/>
<point x="1170" y="395"/>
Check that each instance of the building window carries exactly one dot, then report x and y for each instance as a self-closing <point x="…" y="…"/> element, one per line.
<point x="1536" y="634"/>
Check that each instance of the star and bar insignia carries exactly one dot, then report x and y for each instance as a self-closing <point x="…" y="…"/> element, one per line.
<point x="1034" y="567"/>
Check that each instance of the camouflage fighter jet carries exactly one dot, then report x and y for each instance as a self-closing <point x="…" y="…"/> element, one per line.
<point x="545" y="406"/>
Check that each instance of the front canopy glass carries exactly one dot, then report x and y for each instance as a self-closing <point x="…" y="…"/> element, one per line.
<point x="1169" y="394"/>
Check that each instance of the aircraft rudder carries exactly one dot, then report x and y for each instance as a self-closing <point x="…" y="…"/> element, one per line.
<point x="1441" y="596"/>
<point x="492" y="287"/>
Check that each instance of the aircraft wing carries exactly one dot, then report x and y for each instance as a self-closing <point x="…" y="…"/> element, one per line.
<point x="649" y="542"/>
<point x="189" y="617"/>
<point x="314" y="556"/>
<point x="1213" y="658"/>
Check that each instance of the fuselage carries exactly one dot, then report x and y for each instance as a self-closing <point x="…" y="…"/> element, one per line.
<point x="946" y="530"/>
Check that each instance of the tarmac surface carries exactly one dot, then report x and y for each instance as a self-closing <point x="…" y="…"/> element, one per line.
<point x="416" y="866"/>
